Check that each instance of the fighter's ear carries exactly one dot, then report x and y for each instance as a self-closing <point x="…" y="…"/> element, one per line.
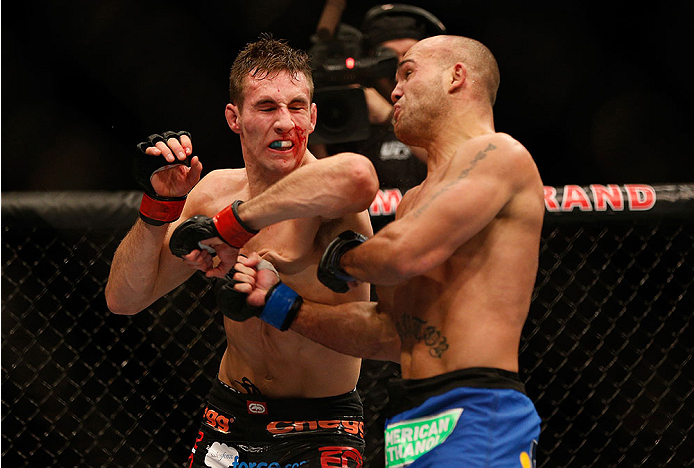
<point x="314" y="116"/>
<point x="458" y="76"/>
<point x="233" y="114"/>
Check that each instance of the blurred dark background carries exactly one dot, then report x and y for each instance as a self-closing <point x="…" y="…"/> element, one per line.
<point x="599" y="92"/>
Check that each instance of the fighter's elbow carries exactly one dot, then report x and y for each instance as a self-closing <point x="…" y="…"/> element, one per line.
<point x="116" y="305"/>
<point x="367" y="179"/>
<point x="387" y="349"/>
<point x="120" y="309"/>
<point x="386" y="345"/>
<point x="363" y="179"/>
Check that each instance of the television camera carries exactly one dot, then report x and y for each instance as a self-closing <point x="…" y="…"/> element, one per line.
<point x="344" y="64"/>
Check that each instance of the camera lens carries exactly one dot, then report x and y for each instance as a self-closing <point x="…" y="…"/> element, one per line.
<point x="342" y="115"/>
<point x="336" y="115"/>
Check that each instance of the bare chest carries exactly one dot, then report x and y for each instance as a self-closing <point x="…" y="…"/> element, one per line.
<point x="291" y="247"/>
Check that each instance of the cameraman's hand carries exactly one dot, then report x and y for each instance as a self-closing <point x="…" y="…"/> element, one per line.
<point x="380" y="110"/>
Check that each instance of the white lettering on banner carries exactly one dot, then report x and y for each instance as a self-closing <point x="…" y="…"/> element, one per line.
<point x="607" y="195"/>
<point x="639" y="197"/>
<point x="408" y="440"/>
<point x="386" y="202"/>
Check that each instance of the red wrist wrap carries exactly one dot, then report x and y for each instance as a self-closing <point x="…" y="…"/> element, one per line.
<point x="159" y="212"/>
<point x="233" y="231"/>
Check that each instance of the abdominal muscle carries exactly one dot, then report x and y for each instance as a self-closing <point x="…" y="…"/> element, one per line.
<point x="283" y="364"/>
<point x="451" y="336"/>
<point x="469" y="311"/>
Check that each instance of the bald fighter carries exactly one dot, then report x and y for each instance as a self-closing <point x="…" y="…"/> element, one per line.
<point x="454" y="272"/>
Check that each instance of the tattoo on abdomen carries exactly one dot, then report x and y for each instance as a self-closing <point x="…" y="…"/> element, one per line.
<point x="249" y="386"/>
<point x="413" y="327"/>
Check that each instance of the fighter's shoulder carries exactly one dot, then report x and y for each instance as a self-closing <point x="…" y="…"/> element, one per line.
<point x="217" y="189"/>
<point x="222" y="180"/>
<point x="508" y="156"/>
<point x="501" y="144"/>
<point x="516" y="167"/>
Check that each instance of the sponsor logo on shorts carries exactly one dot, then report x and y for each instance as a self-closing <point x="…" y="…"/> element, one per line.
<point x="238" y="464"/>
<point x="216" y="420"/>
<point x="340" y="457"/>
<point x="257" y="407"/>
<point x="222" y="456"/>
<point x="406" y="441"/>
<point x="198" y="439"/>
<point x="347" y="426"/>
<point x="529" y="459"/>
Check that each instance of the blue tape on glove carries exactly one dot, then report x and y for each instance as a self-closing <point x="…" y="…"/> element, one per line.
<point x="279" y="305"/>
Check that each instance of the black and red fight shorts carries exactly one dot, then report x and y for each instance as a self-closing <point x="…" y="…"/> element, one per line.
<point x="241" y="430"/>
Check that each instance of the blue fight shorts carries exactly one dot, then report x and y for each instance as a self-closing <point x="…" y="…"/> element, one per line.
<point x="241" y="430"/>
<point x="477" y="417"/>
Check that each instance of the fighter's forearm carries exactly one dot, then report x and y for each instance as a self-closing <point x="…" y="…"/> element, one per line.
<point x="384" y="260"/>
<point x="352" y="328"/>
<point x="133" y="279"/>
<point x="330" y="187"/>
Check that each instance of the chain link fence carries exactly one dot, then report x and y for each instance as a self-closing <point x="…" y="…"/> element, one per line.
<point x="606" y="353"/>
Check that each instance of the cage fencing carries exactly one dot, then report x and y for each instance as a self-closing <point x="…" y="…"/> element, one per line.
<point x="606" y="353"/>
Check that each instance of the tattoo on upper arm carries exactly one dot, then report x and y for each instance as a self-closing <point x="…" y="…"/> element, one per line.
<point x="409" y="326"/>
<point x="463" y="174"/>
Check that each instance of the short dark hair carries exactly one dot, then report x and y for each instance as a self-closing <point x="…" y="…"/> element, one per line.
<point x="267" y="57"/>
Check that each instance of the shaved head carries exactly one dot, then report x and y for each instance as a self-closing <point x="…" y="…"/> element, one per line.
<point x="477" y="58"/>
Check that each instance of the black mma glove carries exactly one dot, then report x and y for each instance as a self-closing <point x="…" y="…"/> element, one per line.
<point x="281" y="303"/>
<point x="154" y="208"/>
<point x="226" y="225"/>
<point x="330" y="273"/>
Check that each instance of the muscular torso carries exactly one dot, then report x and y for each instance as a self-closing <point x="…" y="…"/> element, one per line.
<point x="284" y="364"/>
<point x="469" y="311"/>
